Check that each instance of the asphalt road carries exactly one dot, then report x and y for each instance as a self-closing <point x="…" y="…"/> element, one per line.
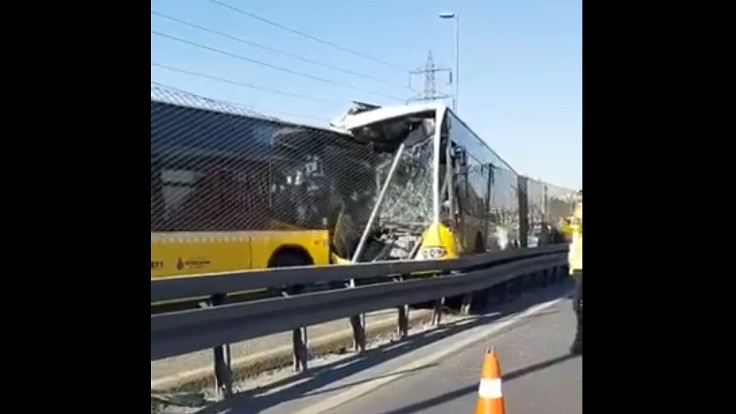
<point x="539" y="376"/>
<point x="437" y="371"/>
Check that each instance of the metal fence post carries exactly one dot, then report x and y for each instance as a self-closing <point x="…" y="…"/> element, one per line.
<point x="357" y="322"/>
<point x="403" y="311"/>
<point x="222" y="358"/>
<point x="437" y="311"/>
<point x="299" y="341"/>
<point x="467" y="301"/>
<point x="301" y="351"/>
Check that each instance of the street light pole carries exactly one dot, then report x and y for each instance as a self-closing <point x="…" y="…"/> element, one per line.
<point x="456" y="18"/>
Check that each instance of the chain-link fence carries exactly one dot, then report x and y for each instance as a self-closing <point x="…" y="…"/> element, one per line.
<point x="218" y="167"/>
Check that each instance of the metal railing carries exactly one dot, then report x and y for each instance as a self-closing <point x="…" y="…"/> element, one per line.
<point x="219" y="323"/>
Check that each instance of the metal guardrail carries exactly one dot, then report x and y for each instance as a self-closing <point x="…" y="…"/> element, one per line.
<point x="181" y="332"/>
<point x="215" y="283"/>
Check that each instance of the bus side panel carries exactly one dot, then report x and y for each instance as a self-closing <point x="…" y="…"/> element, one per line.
<point x="264" y="244"/>
<point x="194" y="253"/>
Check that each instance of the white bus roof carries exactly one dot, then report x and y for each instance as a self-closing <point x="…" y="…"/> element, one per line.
<point x="172" y="96"/>
<point x="353" y="121"/>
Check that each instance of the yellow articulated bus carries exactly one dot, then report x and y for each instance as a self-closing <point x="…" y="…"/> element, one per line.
<point x="233" y="190"/>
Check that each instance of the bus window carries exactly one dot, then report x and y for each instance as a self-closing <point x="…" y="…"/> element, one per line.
<point x="486" y="190"/>
<point x="158" y="210"/>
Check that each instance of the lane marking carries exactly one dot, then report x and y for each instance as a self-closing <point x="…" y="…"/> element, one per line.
<point x="482" y="332"/>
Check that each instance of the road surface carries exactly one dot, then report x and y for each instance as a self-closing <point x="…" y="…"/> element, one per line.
<point x="437" y="371"/>
<point x="539" y="376"/>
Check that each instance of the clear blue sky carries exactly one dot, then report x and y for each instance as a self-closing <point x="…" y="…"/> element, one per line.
<point x="520" y="64"/>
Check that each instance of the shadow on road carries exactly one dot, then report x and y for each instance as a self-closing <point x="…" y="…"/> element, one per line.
<point x="312" y="381"/>
<point x="461" y="392"/>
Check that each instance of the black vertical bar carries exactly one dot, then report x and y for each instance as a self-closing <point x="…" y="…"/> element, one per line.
<point x="300" y="351"/>
<point x="403" y="314"/>
<point x="523" y="192"/>
<point x="467" y="301"/>
<point x="359" y="342"/>
<point x="223" y="372"/>
<point x="403" y="321"/>
<point x="437" y="311"/>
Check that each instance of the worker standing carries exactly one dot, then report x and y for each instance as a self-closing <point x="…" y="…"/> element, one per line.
<point x="574" y="228"/>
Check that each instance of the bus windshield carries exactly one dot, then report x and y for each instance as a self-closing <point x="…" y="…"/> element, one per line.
<point x="467" y="187"/>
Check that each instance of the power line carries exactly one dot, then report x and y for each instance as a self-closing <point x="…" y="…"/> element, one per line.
<point x="268" y="65"/>
<point x="265" y="47"/>
<point x="241" y="84"/>
<point x="308" y="36"/>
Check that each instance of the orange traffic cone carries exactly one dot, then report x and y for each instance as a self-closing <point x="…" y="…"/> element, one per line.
<point x="490" y="397"/>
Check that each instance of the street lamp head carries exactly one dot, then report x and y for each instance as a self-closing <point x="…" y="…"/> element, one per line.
<point x="447" y="15"/>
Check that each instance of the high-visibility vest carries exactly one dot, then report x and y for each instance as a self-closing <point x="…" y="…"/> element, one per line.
<point x="575" y="255"/>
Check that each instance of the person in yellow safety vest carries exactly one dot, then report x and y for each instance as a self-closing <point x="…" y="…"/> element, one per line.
<point x="573" y="227"/>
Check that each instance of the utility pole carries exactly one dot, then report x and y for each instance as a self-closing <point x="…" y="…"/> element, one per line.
<point x="430" y="89"/>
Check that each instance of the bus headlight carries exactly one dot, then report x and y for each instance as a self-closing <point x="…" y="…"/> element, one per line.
<point x="431" y="253"/>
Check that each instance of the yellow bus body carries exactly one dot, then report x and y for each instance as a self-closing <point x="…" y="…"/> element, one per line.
<point x="193" y="253"/>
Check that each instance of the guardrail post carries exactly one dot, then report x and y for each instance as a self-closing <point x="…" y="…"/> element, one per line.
<point x="223" y="372"/>
<point x="403" y="321"/>
<point x="545" y="278"/>
<point x="357" y="322"/>
<point x="299" y="341"/>
<point x="403" y="316"/>
<point x="467" y="300"/>
<point x="509" y="291"/>
<point x="301" y="352"/>
<point x="554" y="274"/>
<point x="437" y="311"/>
<point x="496" y="295"/>
<point x="531" y="281"/>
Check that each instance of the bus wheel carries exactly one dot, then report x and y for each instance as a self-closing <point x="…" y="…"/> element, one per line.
<point x="291" y="257"/>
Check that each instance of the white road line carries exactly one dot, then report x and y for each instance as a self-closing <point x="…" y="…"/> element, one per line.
<point x="475" y="335"/>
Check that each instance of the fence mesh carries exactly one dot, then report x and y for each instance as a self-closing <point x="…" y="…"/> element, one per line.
<point x="218" y="167"/>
